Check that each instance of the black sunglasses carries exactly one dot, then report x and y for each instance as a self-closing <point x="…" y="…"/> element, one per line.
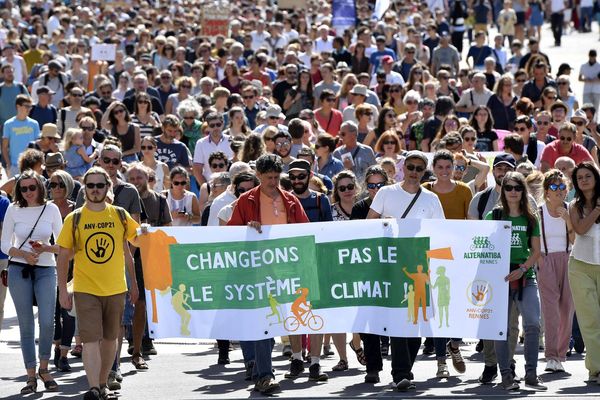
<point x="108" y="160"/>
<point x="412" y="167"/>
<point x="91" y="185"/>
<point x="179" y="183"/>
<point x="54" y="185"/>
<point x="147" y="147"/>
<point x="510" y="188"/>
<point x="30" y="188"/>
<point x="350" y="186"/>
<point x="217" y="165"/>
<point x="375" y="185"/>
<point x="299" y="177"/>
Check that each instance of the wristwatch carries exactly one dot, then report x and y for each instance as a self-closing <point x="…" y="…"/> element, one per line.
<point x="524" y="269"/>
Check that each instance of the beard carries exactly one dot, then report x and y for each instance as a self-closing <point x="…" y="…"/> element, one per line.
<point x="98" y="198"/>
<point x="299" y="189"/>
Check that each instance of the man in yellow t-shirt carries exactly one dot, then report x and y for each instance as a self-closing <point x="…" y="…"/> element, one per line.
<point x="99" y="246"/>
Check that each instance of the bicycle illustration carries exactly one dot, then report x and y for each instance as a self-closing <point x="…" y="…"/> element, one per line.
<point x="314" y="322"/>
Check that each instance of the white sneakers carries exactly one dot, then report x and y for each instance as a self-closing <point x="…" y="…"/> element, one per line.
<point x="554" y="366"/>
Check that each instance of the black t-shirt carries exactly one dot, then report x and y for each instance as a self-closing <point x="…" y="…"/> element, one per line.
<point x="432" y="125"/>
<point x="280" y="91"/>
<point x="485" y="140"/>
<point x="361" y="209"/>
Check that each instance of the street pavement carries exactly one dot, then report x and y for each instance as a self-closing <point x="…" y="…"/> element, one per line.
<point x="186" y="369"/>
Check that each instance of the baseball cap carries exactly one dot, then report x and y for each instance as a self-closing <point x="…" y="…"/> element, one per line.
<point x="274" y="111"/>
<point x="359" y="89"/>
<point x="54" y="64"/>
<point x="417" y="154"/>
<point x="387" y="60"/>
<point x="300" y="165"/>
<point x="44" y="89"/>
<point x="505" y="158"/>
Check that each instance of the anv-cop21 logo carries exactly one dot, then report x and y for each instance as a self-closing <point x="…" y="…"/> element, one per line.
<point x="483" y="249"/>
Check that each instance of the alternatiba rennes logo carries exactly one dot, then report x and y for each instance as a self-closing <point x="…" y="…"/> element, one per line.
<point x="483" y="249"/>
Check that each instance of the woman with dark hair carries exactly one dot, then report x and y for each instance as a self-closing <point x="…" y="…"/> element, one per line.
<point x="143" y="116"/>
<point x="483" y="123"/>
<point x="360" y="62"/>
<point x="184" y="205"/>
<point x="415" y="76"/>
<point x="161" y="179"/>
<point x="552" y="274"/>
<point x="300" y="96"/>
<point x="394" y="101"/>
<point x="450" y="124"/>
<point x="525" y="251"/>
<point x="548" y="97"/>
<point x="237" y="126"/>
<point x="457" y="25"/>
<point x="232" y="80"/>
<point x="28" y="225"/>
<point x="326" y="163"/>
<point x="502" y="104"/>
<point x="584" y="262"/>
<point x="117" y="121"/>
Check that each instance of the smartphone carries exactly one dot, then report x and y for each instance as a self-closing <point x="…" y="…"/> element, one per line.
<point x="347" y="156"/>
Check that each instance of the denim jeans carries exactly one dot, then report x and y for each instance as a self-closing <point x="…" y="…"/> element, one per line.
<point x="440" y="346"/>
<point x="64" y="326"/>
<point x="3" y="288"/>
<point x="259" y="351"/>
<point x="529" y="306"/>
<point x="43" y="284"/>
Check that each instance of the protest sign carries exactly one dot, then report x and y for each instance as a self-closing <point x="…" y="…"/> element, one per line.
<point x="344" y="15"/>
<point x="215" y="21"/>
<point x="104" y="52"/>
<point x="407" y="278"/>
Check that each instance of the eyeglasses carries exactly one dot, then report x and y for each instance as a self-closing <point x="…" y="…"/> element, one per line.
<point x="119" y="111"/>
<point x="164" y="78"/>
<point x="330" y="99"/>
<point x="554" y="187"/>
<point x="189" y="117"/>
<point x="54" y="185"/>
<point x="248" y="97"/>
<point x="108" y="160"/>
<point x="76" y="94"/>
<point x="390" y="142"/>
<point x="179" y="183"/>
<point x="566" y="138"/>
<point x="550" y="97"/>
<point x="395" y="90"/>
<point x="350" y="186"/>
<point x="460" y="168"/>
<point x="106" y="93"/>
<point x="543" y="122"/>
<point x="147" y="147"/>
<point x="579" y="123"/>
<point x="378" y="185"/>
<point x="241" y="190"/>
<point x="215" y="125"/>
<point x="521" y="80"/>
<point x="282" y="144"/>
<point x="26" y="105"/>
<point x="91" y="185"/>
<point x="217" y="165"/>
<point x="368" y="113"/>
<point x="563" y="83"/>
<point x="186" y="86"/>
<point x="30" y="188"/>
<point x="87" y="128"/>
<point x="510" y="188"/>
<point x="299" y="177"/>
<point x="521" y="129"/>
<point x="412" y="167"/>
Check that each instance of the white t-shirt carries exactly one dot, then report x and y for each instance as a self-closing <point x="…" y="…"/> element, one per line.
<point x="324" y="45"/>
<point x="392" y="201"/>
<point x="540" y="149"/>
<point x="557" y="5"/>
<point x="259" y="39"/>
<point x="554" y="231"/>
<point x="205" y="147"/>
<point x="590" y="71"/>
<point x="218" y="203"/>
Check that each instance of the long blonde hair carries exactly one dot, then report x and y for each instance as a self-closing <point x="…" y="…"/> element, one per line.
<point x="67" y="140"/>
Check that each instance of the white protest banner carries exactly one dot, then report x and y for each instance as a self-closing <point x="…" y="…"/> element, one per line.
<point x="408" y="278"/>
<point x="104" y="52"/>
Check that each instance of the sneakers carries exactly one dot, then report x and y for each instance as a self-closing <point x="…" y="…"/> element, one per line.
<point x="405" y="385"/>
<point x="442" y="370"/>
<point x="534" y="382"/>
<point x="558" y="366"/>
<point x="148" y="348"/>
<point x="550" y="366"/>
<point x="266" y="385"/>
<point x="457" y="359"/>
<point x="327" y="350"/>
<point x="113" y="383"/>
<point x="489" y="374"/>
<point x="315" y="374"/>
<point x="479" y="346"/>
<point x="372" y="377"/>
<point x="296" y="368"/>
<point x="508" y="383"/>
<point x="63" y="365"/>
<point x="287" y="351"/>
<point x="428" y="350"/>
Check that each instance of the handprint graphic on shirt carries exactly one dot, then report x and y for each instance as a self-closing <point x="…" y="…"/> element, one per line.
<point x="101" y="246"/>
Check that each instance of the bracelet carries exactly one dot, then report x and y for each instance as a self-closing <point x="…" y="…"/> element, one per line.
<point x="524" y="269"/>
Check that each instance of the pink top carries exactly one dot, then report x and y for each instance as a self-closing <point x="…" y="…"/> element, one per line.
<point x="552" y="152"/>
<point x="330" y="125"/>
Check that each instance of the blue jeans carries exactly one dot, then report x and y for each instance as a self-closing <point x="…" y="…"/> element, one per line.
<point x="43" y="284"/>
<point x="440" y="346"/>
<point x="587" y="15"/>
<point x="259" y="351"/>
<point x="529" y="307"/>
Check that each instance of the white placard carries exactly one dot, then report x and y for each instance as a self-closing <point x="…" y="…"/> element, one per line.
<point x="104" y="52"/>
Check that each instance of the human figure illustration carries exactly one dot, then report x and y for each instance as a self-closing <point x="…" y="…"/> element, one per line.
<point x="273" y="303"/>
<point x="442" y="284"/>
<point x="297" y="306"/>
<point x="420" y="279"/>
<point x="179" y="303"/>
<point x="409" y="297"/>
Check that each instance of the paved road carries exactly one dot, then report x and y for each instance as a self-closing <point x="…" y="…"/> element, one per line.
<point x="188" y="371"/>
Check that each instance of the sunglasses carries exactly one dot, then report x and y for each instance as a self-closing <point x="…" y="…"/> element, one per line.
<point x="151" y="179"/>
<point x="91" y="185"/>
<point x="217" y="165"/>
<point x="88" y="128"/>
<point x="460" y="168"/>
<point x="106" y="93"/>
<point x="147" y="147"/>
<point x="411" y="102"/>
<point x="299" y="177"/>
<point x="248" y="97"/>
<point x="273" y="117"/>
<point x="282" y="144"/>
<point x="108" y="160"/>
<point x="186" y="86"/>
<point x="543" y="122"/>
<point x="369" y="114"/>
<point x="554" y="187"/>
<point x="241" y="190"/>
<point x="350" y="186"/>
<point x="390" y="142"/>
<point x="119" y="111"/>
<point x="521" y="129"/>
<point x="550" y="97"/>
<point x="510" y="188"/>
<point x="375" y="185"/>
<point x="54" y="185"/>
<point x="179" y="183"/>
<point x="189" y="117"/>
<point x="521" y="80"/>
<point x="395" y="90"/>
<point x="30" y="188"/>
<point x="566" y="138"/>
<point x="563" y="83"/>
<point x="330" y="99"/>
<point x="579" y="123"/>
<point x="215" y="125"/>
<point x="412" y="167"/>
<point x="76" y="94"/>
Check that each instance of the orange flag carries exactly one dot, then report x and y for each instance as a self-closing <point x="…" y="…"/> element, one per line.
<point x="444" y="253"/>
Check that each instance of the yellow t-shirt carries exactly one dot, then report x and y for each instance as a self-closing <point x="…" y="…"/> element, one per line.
<point x="99" y="257"/>
<point x="455" y="203"/>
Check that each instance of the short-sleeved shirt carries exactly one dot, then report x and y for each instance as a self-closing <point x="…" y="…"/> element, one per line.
<point x="205" y="147"/>
<point x="99" y="256"/>
<point x="155" y="209"/>
<point x="172" y="154"/>
<point x="127" y="198"/>
<point x="485" y="140"/>
<point x="455" y="203"/>
<point x="317" y="207"/>
<point x="362" y="156"/>
<point x="19" y="133"/>
<point x="4" y="203"/>
<point x="519" y="242"/>
<point x="393" y="200"/>
<point x="552" y="152"/>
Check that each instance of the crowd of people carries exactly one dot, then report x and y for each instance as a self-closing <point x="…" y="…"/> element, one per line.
<point x="286" y="118"/>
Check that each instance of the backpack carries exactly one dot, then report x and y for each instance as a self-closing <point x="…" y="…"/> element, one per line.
<point x="60" y="80"/>
<point x="483" y="201"/>
<point x="63" y="116"/>
<point x="77" y="218"/>
<point x="532" y="149"/>
<point x="318" y="206"/>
